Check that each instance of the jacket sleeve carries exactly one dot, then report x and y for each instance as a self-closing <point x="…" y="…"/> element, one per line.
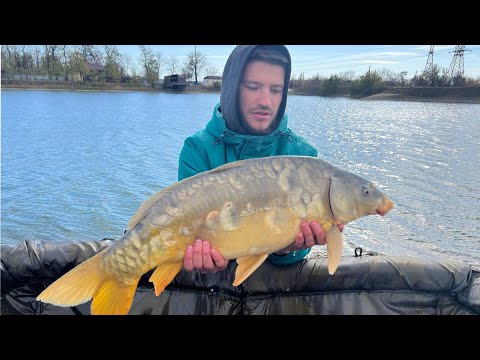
<point x="287" y="259"/>
<point x="191" y="161"/>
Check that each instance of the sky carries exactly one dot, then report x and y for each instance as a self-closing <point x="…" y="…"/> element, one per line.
<point x="333" y="59"/>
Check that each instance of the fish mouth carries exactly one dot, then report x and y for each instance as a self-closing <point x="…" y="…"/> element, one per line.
<point x="385" y="207"/>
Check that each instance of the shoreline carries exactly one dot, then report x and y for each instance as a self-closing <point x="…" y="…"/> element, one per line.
<point x="383" y="96"/>
<point x="399" y="97"/>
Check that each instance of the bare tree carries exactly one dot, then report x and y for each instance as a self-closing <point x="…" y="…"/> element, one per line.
<point x="347" y="76"/>
<point x="160" y="62"/>
<point x="7" y="59"/>
<point x="127" y="63"/>
<point x="187" y="71"/>
<point x="195" y="62"/>
<point x="172" y="64"/>
<point x="37" y="59"/>
<point x="403" y="77"/>
<point x="211" y="71"/>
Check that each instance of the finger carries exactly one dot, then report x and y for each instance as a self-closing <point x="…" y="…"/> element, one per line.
<point x="318" y="232"/>
<point x="207" y="257"/>
<point x="341" y="227"/>
<point x="188" y="259"/>
<point x="220" y="262"/>
<point x="307" y="234"/>
<point x="299" y="242"/>
<point x="197" y="255"/>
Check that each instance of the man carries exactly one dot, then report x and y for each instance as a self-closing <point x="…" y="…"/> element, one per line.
<point x="249" y="122"/>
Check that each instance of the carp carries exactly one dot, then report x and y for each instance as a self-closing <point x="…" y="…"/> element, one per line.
<point x="247" y="209"/>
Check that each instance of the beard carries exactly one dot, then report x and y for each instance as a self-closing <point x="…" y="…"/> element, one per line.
<point x="252" y="131"/>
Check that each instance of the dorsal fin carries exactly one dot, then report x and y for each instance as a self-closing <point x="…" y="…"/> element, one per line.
<point x="151" y="201"/>
<point x="145" y="208"/>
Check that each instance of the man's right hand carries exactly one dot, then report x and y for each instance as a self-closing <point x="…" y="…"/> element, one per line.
<point x="201" y="256"/>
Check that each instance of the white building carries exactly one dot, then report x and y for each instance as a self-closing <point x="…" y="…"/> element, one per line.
<point x="209" y="81"/>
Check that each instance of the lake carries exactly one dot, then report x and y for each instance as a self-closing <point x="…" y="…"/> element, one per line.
<point x="76" y="165"/>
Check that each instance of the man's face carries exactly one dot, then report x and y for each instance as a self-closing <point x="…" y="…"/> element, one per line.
<point x="261" y="93"/>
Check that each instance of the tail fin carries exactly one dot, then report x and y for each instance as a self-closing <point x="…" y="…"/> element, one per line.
<point x="86" y="281"/>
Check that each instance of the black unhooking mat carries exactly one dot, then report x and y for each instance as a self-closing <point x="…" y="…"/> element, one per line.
<point x="377" y="285"/>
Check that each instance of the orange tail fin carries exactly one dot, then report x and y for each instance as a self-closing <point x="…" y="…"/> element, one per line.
<point x="87" y="281"/>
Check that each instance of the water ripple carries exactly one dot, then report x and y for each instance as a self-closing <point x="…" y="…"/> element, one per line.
<point x="76" y="166"/>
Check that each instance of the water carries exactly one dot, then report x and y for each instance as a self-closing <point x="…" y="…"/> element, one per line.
<point x="76" y="165"/>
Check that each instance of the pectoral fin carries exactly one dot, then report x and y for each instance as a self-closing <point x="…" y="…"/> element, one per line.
<point x="334" y="248"/>
<point x="246" y="266"/>
<point x="163" y="275"/>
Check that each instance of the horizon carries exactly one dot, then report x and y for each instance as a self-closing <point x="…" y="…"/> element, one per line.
<point x="326" y="60"/>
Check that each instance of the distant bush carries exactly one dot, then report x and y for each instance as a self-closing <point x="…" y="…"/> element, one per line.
<point x="330" y="86"/>
<point x="368" y="84"/>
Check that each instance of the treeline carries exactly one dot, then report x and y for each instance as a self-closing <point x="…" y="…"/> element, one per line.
<point x="71" y="60"/>
<point x="373" y="82"/>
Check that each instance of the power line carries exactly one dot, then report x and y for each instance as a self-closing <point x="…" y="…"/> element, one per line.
<point x="429" y="68"/>
<point x="316" y="68"/>
<point x="456" y="70"/>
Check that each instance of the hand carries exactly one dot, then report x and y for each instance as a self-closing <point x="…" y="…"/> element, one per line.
<point x="310" y="234"/>
<point x="201" y="256"/>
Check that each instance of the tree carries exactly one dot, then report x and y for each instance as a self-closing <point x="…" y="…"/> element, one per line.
<point x="431" y="77"/>
<point x="51" y="60"/>
<point x="77" y="65"/>
<point x="347" y="76"/>
<point x="37" y="56"/>
<point x="195" y="62"/>
<point x="113" y="67"/>
<point x="211" y="71"/>
<point x="149" y="63"/>
<point x="127" y="62"/>
<point x="64" y="53"/>
<point x="368" y="84"/>
<point x="301" y="79"/>
<point x="160" y="62"/>
<point x="330" y="85"/>
<point x="92" y="54"/>
<point x="7" y="63"/>
<point x="403" y="78"/>
<point x="172" y="64"/>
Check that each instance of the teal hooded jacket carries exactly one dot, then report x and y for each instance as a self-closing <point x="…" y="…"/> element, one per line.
<point x="224" y="139"/>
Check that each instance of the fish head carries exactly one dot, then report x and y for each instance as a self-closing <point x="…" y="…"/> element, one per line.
<point x="352" y="197"/>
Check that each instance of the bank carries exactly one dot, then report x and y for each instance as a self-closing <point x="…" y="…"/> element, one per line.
<point x="93" y="86"/>
<point x="408" y="93"/>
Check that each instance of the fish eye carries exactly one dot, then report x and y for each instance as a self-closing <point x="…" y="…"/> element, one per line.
<point x="366" y="191"/>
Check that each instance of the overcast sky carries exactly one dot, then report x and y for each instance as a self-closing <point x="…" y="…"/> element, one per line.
<point x="333" y="59"/>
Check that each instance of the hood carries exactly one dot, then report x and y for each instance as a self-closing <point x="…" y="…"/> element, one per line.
<point x="217" y="127"/>
<point x="232" y="76"/>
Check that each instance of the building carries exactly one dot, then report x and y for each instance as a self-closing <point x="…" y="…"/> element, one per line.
<point x="97" y="73"/>
<point x="174" y="82"/>
<point x="212" y="82"/>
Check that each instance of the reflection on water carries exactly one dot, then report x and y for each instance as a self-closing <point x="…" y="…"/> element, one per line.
<point x="76" y="166"/>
